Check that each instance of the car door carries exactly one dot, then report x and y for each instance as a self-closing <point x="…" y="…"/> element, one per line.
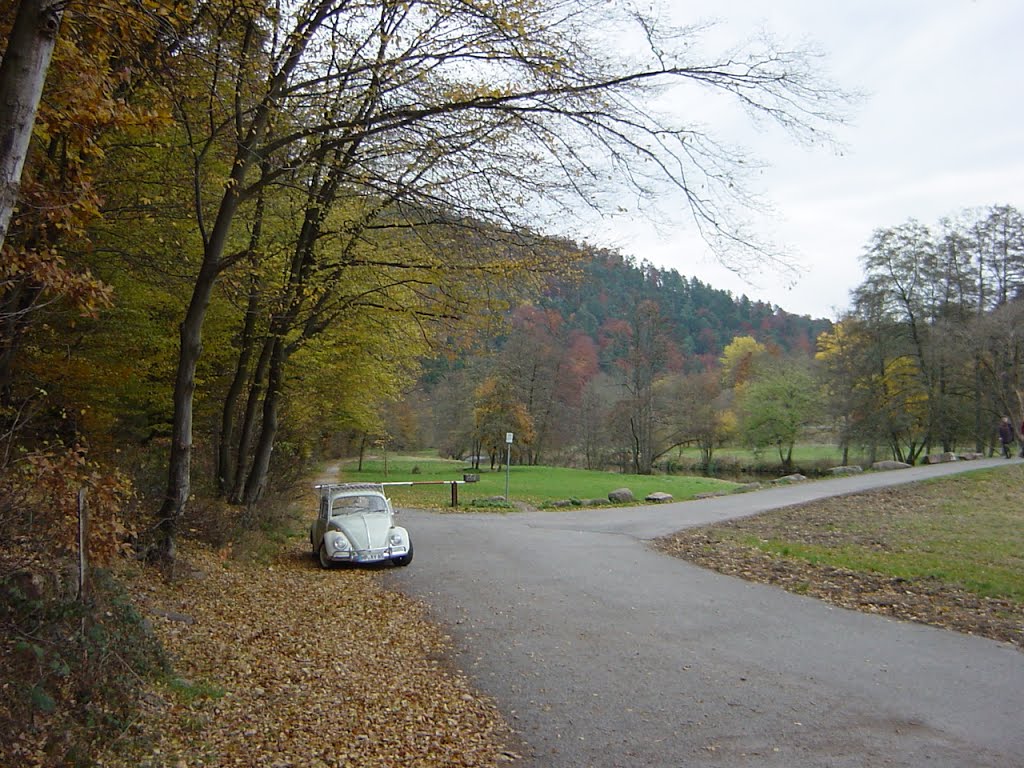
<point x="322" y="518"/>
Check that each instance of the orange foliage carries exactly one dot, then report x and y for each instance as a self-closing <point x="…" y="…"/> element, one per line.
<point x="41" y="495"/>
<point x="91" y="90"/>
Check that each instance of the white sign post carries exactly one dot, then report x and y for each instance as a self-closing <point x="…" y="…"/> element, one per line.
<point x="508" y="460"/>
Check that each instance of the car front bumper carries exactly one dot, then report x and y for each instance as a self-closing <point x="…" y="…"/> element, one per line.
<point x="368" y="555"/>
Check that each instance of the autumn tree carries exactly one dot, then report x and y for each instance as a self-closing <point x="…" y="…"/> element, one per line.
<point x="778" y="405"/>
<point x="845" y="374"/>
<point x="497" y="106"/>
<point x="497" y="412"/>
<point x="550" y="367"/>
<point x="99" y="85"/>
<point x="741" y="360"/>
<point x="923" y="361"/>
<point x="694" y="412"/>
<point x="650" y="355"/>
<point x="999" y="248"/>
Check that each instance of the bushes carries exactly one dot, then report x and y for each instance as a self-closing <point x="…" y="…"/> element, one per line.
<point x="75" y="669"/>
<point x="39" y="500"/>
<point x="74" y="664"/>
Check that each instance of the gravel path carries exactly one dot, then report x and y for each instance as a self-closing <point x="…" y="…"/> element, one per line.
<point x="602" y="652"/>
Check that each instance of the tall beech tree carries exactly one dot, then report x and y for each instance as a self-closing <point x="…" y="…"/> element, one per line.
<point x="26" y="60"/>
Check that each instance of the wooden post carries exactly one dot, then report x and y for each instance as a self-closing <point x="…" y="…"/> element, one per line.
<point x="455" y="494"/>
<point x="83" y="544"/>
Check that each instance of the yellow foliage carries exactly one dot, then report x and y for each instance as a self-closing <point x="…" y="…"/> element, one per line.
<point x="739" y="359"/>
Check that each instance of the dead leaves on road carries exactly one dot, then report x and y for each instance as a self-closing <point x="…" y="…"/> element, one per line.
<point x="287" y="665"/>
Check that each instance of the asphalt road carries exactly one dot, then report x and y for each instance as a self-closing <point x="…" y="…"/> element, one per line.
<point x="602" y="652"/>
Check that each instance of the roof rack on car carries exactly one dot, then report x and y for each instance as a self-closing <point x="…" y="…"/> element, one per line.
<point x="331" y="487"/>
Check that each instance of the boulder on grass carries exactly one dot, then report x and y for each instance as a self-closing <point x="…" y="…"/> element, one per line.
<point x="794" y="478"/>
<point x="849" y="469"/>
<point x="621" y="496"/>
<point x="886" y="465"/>
<point x="940" y="458"/>
<point x="658" y="497"/>
<point x="745" y="488"/>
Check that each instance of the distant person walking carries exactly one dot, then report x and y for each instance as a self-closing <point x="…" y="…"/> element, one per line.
<point x="1006" y="436"/>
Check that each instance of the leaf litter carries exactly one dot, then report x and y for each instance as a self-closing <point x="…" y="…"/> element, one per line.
<point x="282" y="664"/>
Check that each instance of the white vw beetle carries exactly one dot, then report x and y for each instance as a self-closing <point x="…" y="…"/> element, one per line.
<point x="356" y="524"/>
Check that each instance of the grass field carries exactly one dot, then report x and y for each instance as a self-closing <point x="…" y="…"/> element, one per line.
<point x="948" y="552"/>
<point x="965" y="531"/>
<point x="533" y="485"/>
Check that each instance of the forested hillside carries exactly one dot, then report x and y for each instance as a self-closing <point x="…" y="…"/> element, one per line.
<point x="628" y="363"/>
<point x="582" y="372"/>
<point x="699" y="319"/>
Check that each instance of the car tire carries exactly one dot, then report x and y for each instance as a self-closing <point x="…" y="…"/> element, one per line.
<point x="405" y="559"/>
<point x="325" y="561"/>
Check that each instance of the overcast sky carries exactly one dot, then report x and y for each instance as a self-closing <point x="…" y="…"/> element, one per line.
<point x="940" y="129"/>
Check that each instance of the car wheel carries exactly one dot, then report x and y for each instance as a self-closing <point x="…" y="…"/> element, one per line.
<point x="404" y="559"/>
<point x="325" y="561"/>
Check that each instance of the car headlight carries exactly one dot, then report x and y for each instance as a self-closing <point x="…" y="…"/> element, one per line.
<point x="340" y="543"/>
<point x="396" y="539"/>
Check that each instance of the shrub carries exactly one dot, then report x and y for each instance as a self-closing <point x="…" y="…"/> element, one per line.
<point x="75" y="669"/>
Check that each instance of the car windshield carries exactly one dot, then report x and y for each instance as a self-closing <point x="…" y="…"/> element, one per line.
<point x="358" y="505"/>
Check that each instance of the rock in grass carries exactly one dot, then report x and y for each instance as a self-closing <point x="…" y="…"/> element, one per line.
<point x="621" y="496"/>
<point x="848" y="469"/>
<point x="658" y="497"/>
<point x="886" y="465"/>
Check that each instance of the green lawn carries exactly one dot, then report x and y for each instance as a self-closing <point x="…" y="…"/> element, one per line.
<point x="966" y="530"/>
<point x="534" y="485"/>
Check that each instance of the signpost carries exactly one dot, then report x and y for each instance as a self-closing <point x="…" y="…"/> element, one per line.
<point x="508" y="459"/>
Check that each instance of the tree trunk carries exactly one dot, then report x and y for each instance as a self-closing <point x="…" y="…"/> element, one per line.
<point x="179" y="465"/>
<point x="256" y="483"/>
<point x="179" y="479"/>
<point x="22" y="75"/>
<point x="236" y="492"/>
<point x="228" y="457"/>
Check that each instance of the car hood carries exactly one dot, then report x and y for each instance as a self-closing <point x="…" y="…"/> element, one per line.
<point x="363" y="531"/>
